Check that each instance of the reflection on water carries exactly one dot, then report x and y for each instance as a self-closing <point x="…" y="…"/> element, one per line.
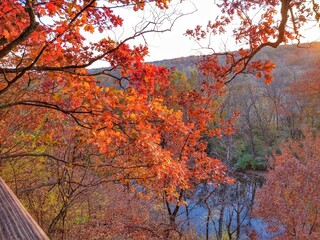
<point x="224" y="211"/>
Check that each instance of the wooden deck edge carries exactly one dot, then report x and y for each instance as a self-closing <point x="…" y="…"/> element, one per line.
<point x="15" y="222"/>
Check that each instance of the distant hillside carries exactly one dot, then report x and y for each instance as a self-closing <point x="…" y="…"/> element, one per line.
<point x="183" y="64"/>
<point x="300" y="58"/>
<point x="291" y="61"/>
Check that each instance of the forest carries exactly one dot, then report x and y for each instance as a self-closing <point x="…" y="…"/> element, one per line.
<point x="223" y="145"/>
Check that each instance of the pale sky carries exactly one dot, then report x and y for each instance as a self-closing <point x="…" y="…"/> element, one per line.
<point x="174" y="44"/>
<point x="171" y="44"/>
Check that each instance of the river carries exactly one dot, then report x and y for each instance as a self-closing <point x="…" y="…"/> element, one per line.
<point x="224" y="212"/>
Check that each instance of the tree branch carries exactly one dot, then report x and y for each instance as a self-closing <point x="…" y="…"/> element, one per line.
<point x="25" y="34"/>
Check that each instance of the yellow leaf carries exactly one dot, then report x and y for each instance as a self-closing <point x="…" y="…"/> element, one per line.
<point x="6" y="34"/>
<point x="86" y="84"/>
<point x="89" y="28"/>
<point x="56" y="97"/>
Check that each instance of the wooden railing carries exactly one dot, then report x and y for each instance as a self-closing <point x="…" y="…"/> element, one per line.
<point x="15" y="222"/>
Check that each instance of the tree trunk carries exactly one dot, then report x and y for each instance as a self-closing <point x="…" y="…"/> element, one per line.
<point x="221" y="215"/>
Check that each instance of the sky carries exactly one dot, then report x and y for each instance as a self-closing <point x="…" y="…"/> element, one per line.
<point x="171" y="44"/>
<point x="175" y="44"/>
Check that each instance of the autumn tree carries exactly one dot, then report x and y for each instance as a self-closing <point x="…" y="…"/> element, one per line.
<point x="288" y="201"/>
<point x="43" y="65"/>
<point x="306" y="92"/>
<point x="117" y="211"/>
<point x="255" y="25"/>
<point x="56" y="117"/>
